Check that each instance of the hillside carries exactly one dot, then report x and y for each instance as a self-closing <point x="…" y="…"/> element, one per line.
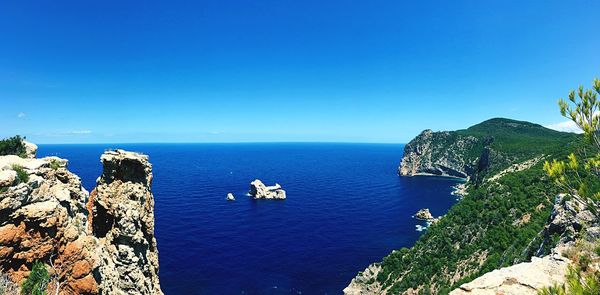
<point x="482" y="149"/>
<point x="500" y="222"/>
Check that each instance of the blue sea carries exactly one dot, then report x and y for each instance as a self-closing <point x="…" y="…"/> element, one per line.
<point x="346" y="207"/>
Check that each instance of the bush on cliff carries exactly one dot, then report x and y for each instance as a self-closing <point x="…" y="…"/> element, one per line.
<point x="12" y="146"/>
<point x="22" y="175"/>
<point x="37" y="281"/>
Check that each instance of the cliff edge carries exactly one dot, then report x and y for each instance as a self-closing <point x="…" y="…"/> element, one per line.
<point x="98" y="243"/>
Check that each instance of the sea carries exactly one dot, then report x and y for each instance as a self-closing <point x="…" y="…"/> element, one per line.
<point x="346" y="207"/>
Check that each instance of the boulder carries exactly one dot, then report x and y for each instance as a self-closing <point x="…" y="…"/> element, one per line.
<point x="424" y="214"/>
<point x="259" y="190"/>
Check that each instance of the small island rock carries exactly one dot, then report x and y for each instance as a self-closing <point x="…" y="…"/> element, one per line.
<point x="259" y="190"/>
<point x="424" y="214"/>
<point x="230" y="197"/>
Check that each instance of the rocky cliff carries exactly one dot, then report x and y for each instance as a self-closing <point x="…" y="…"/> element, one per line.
<point x="98" y="243"/>
<point x="479" y="150"/>
<point x="507" y="218"/>
<point x="442" y="154"/>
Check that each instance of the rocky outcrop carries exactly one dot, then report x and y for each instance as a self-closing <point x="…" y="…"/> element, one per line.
<point x="424" y="214"/>
<point x="520" y="279"/>
<point x="30" y="149"/>
<point x="440" y="154"/>
<point x="364" y="283"/>
<point x="101" y="243"/>
<point x="122" y="218"/>
<point x="259" y="190"/>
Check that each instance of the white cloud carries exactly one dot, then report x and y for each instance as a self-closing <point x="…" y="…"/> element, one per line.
<point x="566" y="126"/>
<point x="81" y="132"/>
<point x="21" y="115"/>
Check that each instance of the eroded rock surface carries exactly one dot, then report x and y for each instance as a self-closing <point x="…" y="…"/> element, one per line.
<point x="520" y="279"/>
<point x="259" y="190"/>
<point x="123" y="221"/>
<point x="102" y="244"/>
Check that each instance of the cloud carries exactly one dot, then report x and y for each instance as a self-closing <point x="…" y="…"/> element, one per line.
<point x="566" y="126"/>
<point x="21" y="115"/>
<point x="80" y="132"/>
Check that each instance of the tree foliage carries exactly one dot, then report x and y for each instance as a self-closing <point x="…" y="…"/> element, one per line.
<point x="579" y="173"/>
<point x="12" y="146"/>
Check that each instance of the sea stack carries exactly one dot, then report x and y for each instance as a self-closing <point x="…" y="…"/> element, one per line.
<point x="259" y="190"/>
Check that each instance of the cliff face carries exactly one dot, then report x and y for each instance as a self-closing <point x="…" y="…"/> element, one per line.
<point x="101" y="243"/>
<point x="122" y="219"/>
<point x="442" y="154"/>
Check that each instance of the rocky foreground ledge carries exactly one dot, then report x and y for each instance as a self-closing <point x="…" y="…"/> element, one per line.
<point x="91" y="243"/>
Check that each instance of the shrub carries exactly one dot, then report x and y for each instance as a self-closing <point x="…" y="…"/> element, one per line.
<point x="12" y="146"/>
<point x="54" y="164"/>
<point x="577" y="284"/>
<point x="37" y="281"/>
<point x="22" y="175"/>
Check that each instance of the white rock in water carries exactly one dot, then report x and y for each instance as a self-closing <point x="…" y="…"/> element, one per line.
<point x="230" y="197"/>
<point x="259" y="190"/>
<point x="424" y="214"/>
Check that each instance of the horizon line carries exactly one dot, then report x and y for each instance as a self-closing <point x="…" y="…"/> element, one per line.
<point x="219" y="142"/>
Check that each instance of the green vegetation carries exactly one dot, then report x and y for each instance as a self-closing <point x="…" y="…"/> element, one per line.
<point x="12" y="146"/>
<point x="495" y="144"/>
<point x="22" y="175"/>
<point x="479" y="234"/>
<point x="54" y="164"/>
<point x="519" y="138"/>
<point x="580" y="173"/>
<point x="501" y="222"/>
<point x="37" y="281"/>
<point x="578" y="283"/>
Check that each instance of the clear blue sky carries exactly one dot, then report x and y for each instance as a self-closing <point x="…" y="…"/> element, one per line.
<point x="222" y="71"/>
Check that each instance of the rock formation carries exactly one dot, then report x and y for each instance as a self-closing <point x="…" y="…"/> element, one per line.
<point x="30" y="149"/>
<point x="260" y="191"/>
<point x="122" y="219"/>
<point x="424" y="214"/>
<point x="439" y="153"/>
<point x="98" y="244"/>
<point x="520" y="279"/>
